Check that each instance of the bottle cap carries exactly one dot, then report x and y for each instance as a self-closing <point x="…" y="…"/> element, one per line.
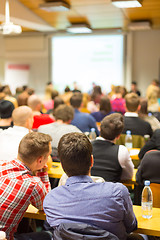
<point x="149" y="114"/>
<point x="92" y="129"/>
<point x="128" y="132"/>
<point x="147" y="183"/>
<point x="2" y="235"/>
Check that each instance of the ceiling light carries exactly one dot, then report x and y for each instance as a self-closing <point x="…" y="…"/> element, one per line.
<point x="8" y="27"/>
<point x="55" y="6"/>
<point x="127" y="3"/>
<point x="79" y="28"/>
<point x="141" y="25"/>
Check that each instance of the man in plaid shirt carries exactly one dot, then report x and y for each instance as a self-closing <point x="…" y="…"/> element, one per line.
<point x="24" y="180"/>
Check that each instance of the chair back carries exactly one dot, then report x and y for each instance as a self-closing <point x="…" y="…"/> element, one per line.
<point x="81" y="231"/>
<point x="137" y="140"/>
<point x="155" y="187"/>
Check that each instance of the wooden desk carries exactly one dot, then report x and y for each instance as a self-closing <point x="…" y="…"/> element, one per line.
<point x="146" y="226"/>
<point x="56" y="170"/>
<point x="134" y="156"/>
<point x="132" y="181"/>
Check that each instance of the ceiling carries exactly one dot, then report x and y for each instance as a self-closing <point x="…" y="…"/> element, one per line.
<point x="100" y="14"/>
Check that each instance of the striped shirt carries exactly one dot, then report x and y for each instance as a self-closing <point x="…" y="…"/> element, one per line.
<point x="19" y="188"/>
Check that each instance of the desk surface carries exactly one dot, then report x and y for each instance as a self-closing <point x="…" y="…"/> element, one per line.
<point x="146" y="226"/>
<point x="56" y="170"/>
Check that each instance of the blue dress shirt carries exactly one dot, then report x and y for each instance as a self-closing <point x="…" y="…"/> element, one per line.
<point x="105" y="205"/>
<point x="84" y="121"/>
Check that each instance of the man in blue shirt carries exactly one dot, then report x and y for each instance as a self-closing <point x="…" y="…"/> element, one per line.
<point x="83" y="121"/>
<point x="105" y="205"/>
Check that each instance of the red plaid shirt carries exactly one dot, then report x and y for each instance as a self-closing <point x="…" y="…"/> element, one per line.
<point x="18" y="189"/>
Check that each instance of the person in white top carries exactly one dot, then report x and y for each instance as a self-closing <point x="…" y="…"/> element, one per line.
<point x="11" y="137"/>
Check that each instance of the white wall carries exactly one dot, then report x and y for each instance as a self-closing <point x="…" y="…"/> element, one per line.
<point x="146" y="57"/>
<point x="32" y="50"/>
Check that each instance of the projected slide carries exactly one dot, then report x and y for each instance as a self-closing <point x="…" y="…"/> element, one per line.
<point x="87" y="59"/>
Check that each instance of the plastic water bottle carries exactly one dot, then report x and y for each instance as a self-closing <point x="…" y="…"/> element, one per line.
<point x="92" y="134"/>
<point x="128" y="139"/>
<point x="2" y="235"/>
<point x="147" y="200"/>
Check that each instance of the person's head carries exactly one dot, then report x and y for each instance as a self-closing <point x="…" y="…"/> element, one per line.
<point x="143" y="107"/>
<point x="54" y="94"/>
<point x="105" y="105"/>
<point x="6" y="109"/>
<point x="75" y="154"/>
<point x="25" y="88"/>
<point x="23" y="116"/>
<point x="67" y="89"/>
<point x="30" y="91"/>
<point x="76" y="100"/>
<point x="112" y="126"/>
<point x="34" y="150"/>
<point x="34" y="103"/>
<point x="155" y="82"/>
<point x="64" y="113"/>
<point x="7" y="90"/>
<point x="97" y="89"/>
<point x="133" y="86"/>
<point x="132" y="102"/>
<point x="58" y="101"/>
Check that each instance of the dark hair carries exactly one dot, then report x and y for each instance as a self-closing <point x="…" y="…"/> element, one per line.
<point x="58" y="101"/>
<point x="6" y="109"/>
<point x="54" y="94"/>
<point x="67" y="89"/>
<point x="111" y="126"/>
<point x="33" y="145"/>
<point x="64" y="112"/>
<point x="74" y="150"/>
<point x="105" y="105"/>
<point x="132" y="101"/>
<point x="76" y="100"/>
<point x="134" y="83"/>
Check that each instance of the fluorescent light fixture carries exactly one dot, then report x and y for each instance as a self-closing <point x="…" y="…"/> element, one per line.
<point x="127" y="3"/>
<point x="8" y="27"/>
<point x="55" y="6"/>
<point x="79" y="28"/>
<point x="141" y="25"/>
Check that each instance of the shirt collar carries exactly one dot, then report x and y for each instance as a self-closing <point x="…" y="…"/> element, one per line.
<point x="21" y="164"/>
<point x="131" y="114"/>
<point x="79" y="179"/>
<point x="103" y="139"/>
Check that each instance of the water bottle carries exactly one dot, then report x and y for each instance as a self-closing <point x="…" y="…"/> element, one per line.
<point x="147" y="200"/>
<point x="128" y="139"/>
<point x="92" y="134"/>
<point x="2" y="235"/>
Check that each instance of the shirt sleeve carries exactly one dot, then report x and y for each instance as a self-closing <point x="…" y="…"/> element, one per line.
<point x="126" y="163"/>
<point x="130" y="221"/>
<point x="41" y="189"/>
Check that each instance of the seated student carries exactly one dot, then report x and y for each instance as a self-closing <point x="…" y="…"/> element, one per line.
<point x="118" y="103"/>
<point x="19" y="187"/>
<point x="83" y="121"/>
<point x="132" y="122"/>
<point x="10" y="138"/>
<point x="105" y="205"/>
<point x="111" y="161"/>
<point x="6" y="109"/>
<point x="153" y="143"/>
<point x="63" y="115"/>
<point x="149" y="168"/>
<point x="105" y="109"/>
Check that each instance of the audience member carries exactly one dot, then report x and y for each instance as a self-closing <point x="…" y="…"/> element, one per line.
<point x="152" y="94"/>
<point x="6" y="109"/>
<point x="9" y="97"/>
<point x="132" y="122"/>
<point x="111" y="161"/>
<point x="118" y="103"/>
<point x="104" y="109"/>
<point x="134" y="89"/>
<point x="63" y="115"/>
<point x="104" y="205"/>
<point x="23" y="97"/>
<point x="35" y="104"/>
<point x="83" y="121"/>
<point x="149" y="168"/>
<point x="148" y="117"/>
<point x="19" y="187"/>
<point x="57" y="101"/>
<point x="96" y="95"/>
<point x="153" y="143"/>
<point x="11" y="137"/>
